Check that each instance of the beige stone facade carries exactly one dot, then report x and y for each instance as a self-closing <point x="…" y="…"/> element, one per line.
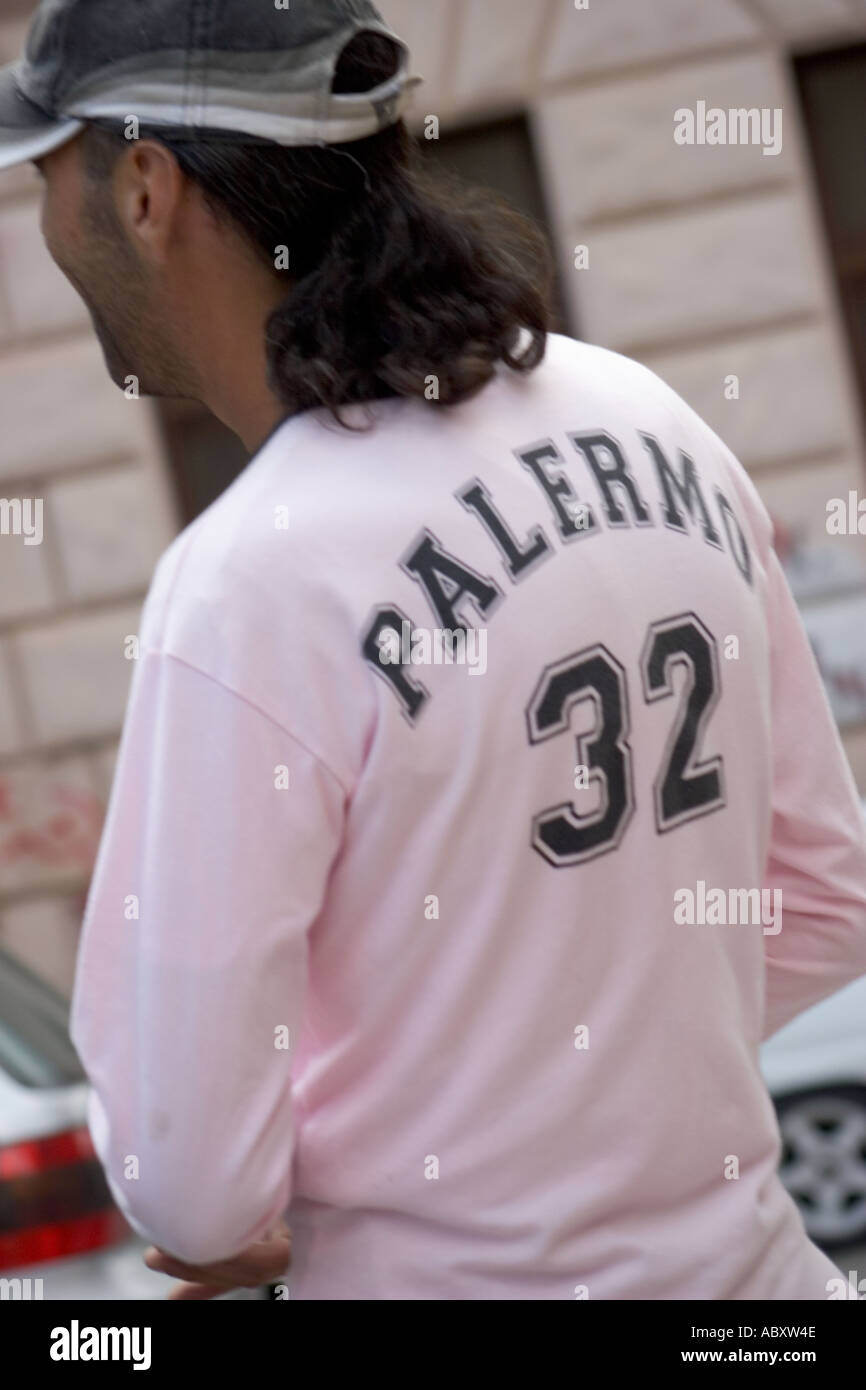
<point x="704" y="262"/>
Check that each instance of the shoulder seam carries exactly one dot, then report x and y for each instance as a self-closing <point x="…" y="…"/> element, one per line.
<point x="251" y="704"/>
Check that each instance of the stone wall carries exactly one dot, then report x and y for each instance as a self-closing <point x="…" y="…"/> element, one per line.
<point x="69" y="438"/>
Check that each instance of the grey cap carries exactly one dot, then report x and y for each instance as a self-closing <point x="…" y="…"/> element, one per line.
<point x="261" y="69"/>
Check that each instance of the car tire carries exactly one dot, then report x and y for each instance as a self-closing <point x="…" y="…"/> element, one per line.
<point x="823" y="1163"/>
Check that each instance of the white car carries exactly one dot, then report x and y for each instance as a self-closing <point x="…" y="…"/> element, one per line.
<point x="815" y="1069"/>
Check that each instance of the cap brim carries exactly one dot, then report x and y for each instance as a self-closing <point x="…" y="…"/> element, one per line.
<point x="25" y="131"/>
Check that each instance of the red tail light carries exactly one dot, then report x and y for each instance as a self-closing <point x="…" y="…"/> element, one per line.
<point x="54" y="1200"/>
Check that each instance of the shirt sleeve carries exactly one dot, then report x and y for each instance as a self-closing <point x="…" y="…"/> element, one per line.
<point x="190" y="981"/>
<point x="817" y="851"/>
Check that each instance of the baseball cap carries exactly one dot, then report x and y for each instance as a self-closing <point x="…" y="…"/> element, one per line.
<point x="260" y="69"/>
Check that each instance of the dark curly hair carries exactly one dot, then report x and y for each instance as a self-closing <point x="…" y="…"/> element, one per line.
<point x="395" y="278"/>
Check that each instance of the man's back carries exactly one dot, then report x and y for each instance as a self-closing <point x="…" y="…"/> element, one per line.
<point x="510" y="903"/>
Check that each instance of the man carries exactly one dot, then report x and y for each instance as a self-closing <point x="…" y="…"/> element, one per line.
<point x="481" y="672"/>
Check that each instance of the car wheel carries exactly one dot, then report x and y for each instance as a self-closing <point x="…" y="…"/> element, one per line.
<point x="823" y="1163"/>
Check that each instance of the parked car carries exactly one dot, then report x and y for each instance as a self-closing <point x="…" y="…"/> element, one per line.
<point x="815" y="1069"/>
<point x="58" y="1223"/>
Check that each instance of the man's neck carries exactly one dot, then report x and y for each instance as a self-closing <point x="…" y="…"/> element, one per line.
<point x="231" y="361"/>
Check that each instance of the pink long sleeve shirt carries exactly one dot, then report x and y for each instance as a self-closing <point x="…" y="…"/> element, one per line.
<point x="418" y="951"/>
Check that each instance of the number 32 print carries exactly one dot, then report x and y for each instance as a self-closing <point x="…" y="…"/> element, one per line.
<point x="685" y="787"/>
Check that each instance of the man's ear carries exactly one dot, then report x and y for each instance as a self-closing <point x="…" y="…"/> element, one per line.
<point x="149" y="190"/>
